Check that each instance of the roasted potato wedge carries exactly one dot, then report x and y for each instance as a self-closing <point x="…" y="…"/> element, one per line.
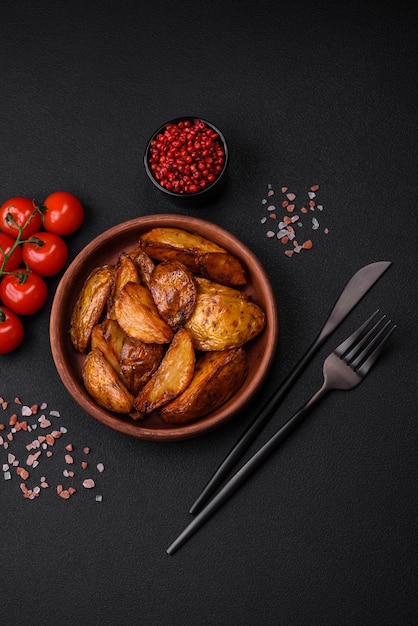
<point x="99" y="342"/>
<point x="138" y="316"/>
<point x="90" y="305"/>
<point x="114" y="335"/>
<point x="176" y="244"/>
<point x="220" y="321"/>
<point x="126" y="272"/>
<point x="221" y="267"/>
<point x="138" y="362"/>
<point x="173" y="290"/>
<point x="217" y="377"/>
<point x="145" y="265"/>
<point x="104" y="385"/>
<point x="204" y="285"/>
<point x="172" y="377"/>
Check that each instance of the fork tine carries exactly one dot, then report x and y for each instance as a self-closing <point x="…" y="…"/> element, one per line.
<point x="346" y="345"/>
<point x="376" y="349"/>
<point x="353" y="357"/>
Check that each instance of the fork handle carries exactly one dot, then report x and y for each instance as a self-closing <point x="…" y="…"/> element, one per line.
<point x="246" y="470"/>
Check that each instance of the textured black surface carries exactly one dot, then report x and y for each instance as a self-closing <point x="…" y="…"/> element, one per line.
<point x="306" y="93"/>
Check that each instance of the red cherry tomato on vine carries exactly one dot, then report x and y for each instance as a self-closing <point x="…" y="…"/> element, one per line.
<point x="64" y="213"/>
<point x="46" y="259"/>
<point x="23" y="294"/>
<point x="20" y="209"/>
<point x="6" y="244"/>
<point x="11" y="331"/>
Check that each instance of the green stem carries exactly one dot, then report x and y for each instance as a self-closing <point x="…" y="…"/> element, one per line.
<point x="19" y="241"/>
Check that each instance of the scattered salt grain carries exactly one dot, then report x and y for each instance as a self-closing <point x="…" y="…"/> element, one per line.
<point x="285" y="233"/>
<point x="38" y="448"/>
<point x="24" y="474"/>
<point x="99" y="498"/>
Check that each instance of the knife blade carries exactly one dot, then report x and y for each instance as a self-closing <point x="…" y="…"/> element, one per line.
<point x="353" y="292"/>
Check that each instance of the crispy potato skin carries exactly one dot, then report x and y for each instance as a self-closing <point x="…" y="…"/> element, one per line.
<point x="138" y="316"/>
<point x="198" y="254"/>
<point x="176" y="244"/>
<point x="177" y="238"/>
<point x="220" y="321"/>
<point x="172" y="377"/>
<point x="138" y="362"/>
<point x="99" y="341"/>
<point x="90" y="305"/>
<point x="222" y="268"/>
<point x="104" y="385"/>
<point x="218" y="375"/>
<point x="173" y="289"/>
<point x="204" y="285"/>
<point x="144" y="265"/>
<point x="126" y="272"/>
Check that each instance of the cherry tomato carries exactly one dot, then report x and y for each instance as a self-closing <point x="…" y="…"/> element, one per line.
<point x="6" y="244"/>
<point x="11" y="331"/>
<point x="47" y="259"/>
<point x="24" y="294"/>
<point x="64" y="214"/>
<point x="21" y="209"/>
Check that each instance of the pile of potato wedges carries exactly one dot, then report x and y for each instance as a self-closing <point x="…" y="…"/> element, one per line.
<point x="164" y="329"/>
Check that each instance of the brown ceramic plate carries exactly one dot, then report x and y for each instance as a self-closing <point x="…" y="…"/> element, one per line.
<point x="105" y="249"/>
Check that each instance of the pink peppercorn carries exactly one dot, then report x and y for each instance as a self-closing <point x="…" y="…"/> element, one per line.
<point x="186" y="156"/>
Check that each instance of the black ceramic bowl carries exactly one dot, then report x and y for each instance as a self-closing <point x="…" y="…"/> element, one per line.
<point x="197" y="195"/>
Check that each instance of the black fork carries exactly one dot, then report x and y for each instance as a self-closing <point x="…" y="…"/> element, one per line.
<point x="344" y="368"/>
